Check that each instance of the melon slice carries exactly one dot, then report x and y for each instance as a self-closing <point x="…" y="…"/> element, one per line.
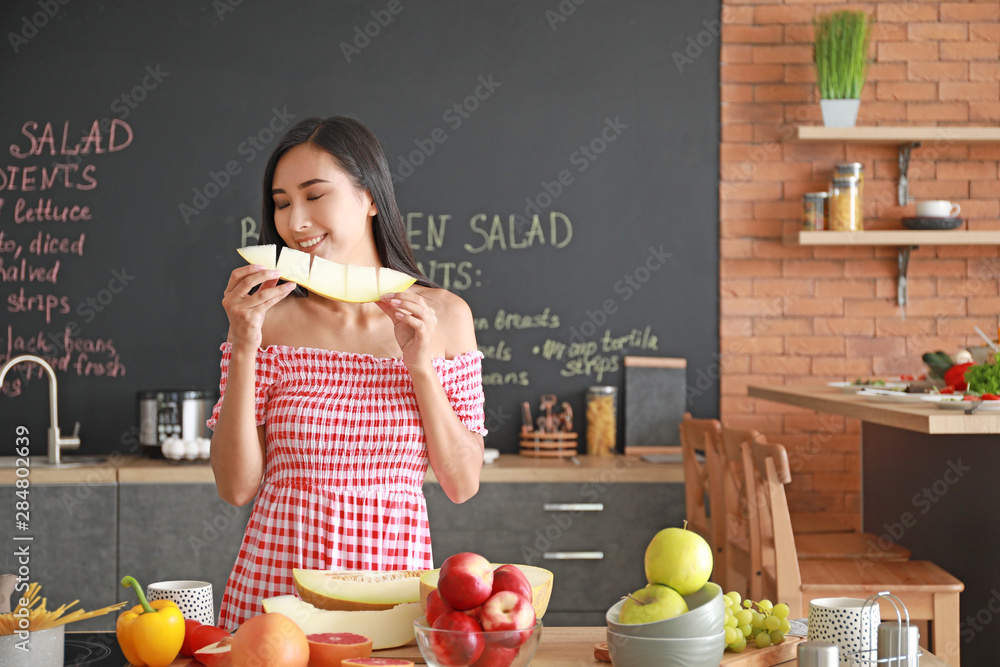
<point x="343" y="282"/>
<point x="357" y="590"/>
<point x="362" y="283"/>
<point x="388" y="628"/>
<point x="539" y="578"/>
<point x="265" y="255"/>
<point x="391" y="280"/>
<point x="328" y="279"/>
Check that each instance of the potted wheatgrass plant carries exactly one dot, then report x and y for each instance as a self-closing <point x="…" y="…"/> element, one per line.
<point x="841" y="55"/>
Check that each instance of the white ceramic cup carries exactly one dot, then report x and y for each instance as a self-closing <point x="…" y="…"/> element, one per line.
<point x="937" y="208"/>
<point x="194" y="598"/>
<point x="847" y="622"/>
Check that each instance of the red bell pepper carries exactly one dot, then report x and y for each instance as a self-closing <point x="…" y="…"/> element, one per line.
<point x="955" y="376"/>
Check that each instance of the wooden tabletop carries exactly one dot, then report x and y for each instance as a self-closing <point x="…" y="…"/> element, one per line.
<point x="919" y="416"/>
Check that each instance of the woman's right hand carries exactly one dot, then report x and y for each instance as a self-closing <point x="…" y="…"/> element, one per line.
<point x="246" y="311"/>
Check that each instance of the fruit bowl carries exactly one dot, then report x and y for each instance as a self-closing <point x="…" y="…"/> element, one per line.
<point x="629" y="651"/>
<point x="444" y="648"/>
<point x="706" y="613"/>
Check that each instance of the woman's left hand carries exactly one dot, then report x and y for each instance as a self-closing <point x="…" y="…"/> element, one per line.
<point x="414" y="323"/>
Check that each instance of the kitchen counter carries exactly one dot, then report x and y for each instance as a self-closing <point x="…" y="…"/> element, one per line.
<point x="507" y="468"/>
<point x="917" y="416"/>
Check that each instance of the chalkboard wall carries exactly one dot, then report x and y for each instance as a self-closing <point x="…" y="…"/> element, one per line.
<point x="556" y="161"/>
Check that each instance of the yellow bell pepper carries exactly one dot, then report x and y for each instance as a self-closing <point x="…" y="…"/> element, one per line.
<point x="150" y="634"/>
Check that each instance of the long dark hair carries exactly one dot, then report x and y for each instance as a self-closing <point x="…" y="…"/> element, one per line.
<point x="358" y="152"/>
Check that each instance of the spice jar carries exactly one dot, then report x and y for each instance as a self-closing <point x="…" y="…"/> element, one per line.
<point x="855" y="170"/>
<point x="602" y="405"/>
<point x="843" y="202"/>
<point x="815" y="211"/>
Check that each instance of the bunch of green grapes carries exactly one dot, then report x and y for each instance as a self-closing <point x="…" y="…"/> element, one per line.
<point x="761" y="622"/>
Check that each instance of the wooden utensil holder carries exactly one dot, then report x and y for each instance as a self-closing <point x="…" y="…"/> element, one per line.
<point x="548" y="445"/>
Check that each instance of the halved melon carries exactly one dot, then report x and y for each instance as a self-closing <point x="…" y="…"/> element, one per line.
<point x="343" y="282"/>
<point x="265" y="255"/>
<point x="357" y="590"/>
<point x="294" y="265"/>
<point x="388" y="628"/>
<point x="539" y="578"/>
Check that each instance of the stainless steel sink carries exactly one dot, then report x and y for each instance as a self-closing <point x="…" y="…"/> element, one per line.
<point x="39" y="461"/>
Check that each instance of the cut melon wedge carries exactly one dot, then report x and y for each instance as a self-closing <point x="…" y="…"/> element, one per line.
<point x="294" y="265"/>
<point x="328" y="279"/>
<point x="539" y="578"/>
<point x="357" y="590"/>
<point x="343" y="282"/>
<point x="388" y="628"/>
<point x="265" y="255"/>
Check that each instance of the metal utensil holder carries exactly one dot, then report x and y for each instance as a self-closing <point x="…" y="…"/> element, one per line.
<point x="869" y="657"/>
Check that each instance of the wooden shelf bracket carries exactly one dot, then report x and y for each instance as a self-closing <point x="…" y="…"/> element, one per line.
<point x="904" y="167"/>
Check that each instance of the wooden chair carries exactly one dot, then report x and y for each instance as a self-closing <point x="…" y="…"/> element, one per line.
<point x="701" y="436"/>
<point x="742" y="524"/>
<point x="929" y="593"/>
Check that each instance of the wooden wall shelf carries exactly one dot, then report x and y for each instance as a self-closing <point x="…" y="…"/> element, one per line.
<point x="885" y="134"/>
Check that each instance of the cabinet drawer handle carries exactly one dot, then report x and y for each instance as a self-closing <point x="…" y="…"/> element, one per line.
<point x="573" y="555"/>
<point x="573" y="507"/>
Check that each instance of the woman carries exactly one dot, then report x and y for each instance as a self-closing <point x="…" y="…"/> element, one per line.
<point x="331" y="411"/>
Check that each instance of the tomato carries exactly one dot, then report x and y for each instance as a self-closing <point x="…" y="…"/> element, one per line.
<point x="970" y="397"/>
<point x="990" y="397"/>
<point x="947" y="390"/>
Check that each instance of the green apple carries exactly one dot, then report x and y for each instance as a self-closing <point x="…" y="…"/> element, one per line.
<point x="679" y="558"/>
<point x="652" y="603"/>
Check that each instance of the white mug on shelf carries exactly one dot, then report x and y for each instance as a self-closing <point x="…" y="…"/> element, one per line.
<point x="937" y="208"/>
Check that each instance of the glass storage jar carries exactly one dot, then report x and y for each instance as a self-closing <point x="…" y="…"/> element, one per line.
<point x="844" y="205"/>
<point x="815" y="212"/>
<point x="602" y="417"/>
<point x="855" y="170"/>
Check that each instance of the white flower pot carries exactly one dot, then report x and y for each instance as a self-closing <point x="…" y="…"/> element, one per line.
<point x="839" y="113"/>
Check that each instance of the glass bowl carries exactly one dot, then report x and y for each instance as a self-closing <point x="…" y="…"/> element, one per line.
<point x="446" y="648"/>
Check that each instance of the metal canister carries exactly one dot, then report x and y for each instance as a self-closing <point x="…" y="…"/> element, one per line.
<point x="898" y="644"/>
<point x="854" y="170"/>
<point x="843" y="202"/>
<point x="602" y="420"/>
<point x="818" y="654"/>
<point x="815" y="211"/>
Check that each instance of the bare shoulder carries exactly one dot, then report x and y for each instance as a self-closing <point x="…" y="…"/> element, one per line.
<point x="455" y="327"/>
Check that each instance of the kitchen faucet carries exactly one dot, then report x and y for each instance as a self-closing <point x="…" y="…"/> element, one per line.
<point x="56" y="442"/>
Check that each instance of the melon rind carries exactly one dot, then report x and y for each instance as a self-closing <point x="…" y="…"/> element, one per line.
<point x="265" y="255"/>
<point x="357" y="590"/>
<point x="294" y="265"/>
<point x="539" y="578"/>
<point x="391" y="280"/>
<point x="388" y="628"/>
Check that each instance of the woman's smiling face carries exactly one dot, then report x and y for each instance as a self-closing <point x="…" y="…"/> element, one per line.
<point x="319" y="210"/>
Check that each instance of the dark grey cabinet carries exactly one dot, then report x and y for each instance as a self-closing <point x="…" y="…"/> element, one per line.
<point x="591" y="536"/>
<point x="72" y="550"/>
<point x="179" y="531"/>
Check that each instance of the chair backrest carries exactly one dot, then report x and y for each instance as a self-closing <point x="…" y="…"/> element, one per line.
<point x="740" y="521"/>
<point x="699" y="435"/>
<point x="768" y="472"/>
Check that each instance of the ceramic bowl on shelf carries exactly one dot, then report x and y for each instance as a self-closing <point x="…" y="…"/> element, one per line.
<point x="445" y="647"/>
<point x="706" y="613"/>
<point x="931" y="223"/>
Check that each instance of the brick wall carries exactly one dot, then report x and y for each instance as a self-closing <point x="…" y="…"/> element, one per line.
<point x="794" y="314"/>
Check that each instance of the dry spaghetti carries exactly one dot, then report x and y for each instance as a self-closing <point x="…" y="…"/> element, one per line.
<point x="32" y="609"/>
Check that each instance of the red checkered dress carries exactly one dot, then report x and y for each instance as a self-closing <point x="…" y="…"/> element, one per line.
<point x="345" y="461"/>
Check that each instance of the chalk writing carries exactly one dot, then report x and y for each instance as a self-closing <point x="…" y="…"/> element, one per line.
<point x="511" y="235"/>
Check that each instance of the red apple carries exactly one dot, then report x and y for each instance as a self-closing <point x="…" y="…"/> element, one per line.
<point x="435" y="607"/>
<point x="510" y="614"/>
<point x="217" y="654"/>
<point x="462" y="641"/>
<point x="465" y="581"/>
<point x="495" y="655"/>
<point x="203" y="635"/>
<point x="509" y="577"/>
<point x="189" y="625"/>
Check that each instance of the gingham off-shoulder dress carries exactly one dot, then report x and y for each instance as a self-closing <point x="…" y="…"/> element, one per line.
<point x="344" y="465"/>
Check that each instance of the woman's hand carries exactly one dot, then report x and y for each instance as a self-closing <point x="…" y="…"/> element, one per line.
<point x="414" y="323"/>
<point x="246" y="311"/>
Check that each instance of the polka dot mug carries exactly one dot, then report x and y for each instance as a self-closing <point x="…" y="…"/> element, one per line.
<point x="847" y="622"/>
<point x="194" y="598"/>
